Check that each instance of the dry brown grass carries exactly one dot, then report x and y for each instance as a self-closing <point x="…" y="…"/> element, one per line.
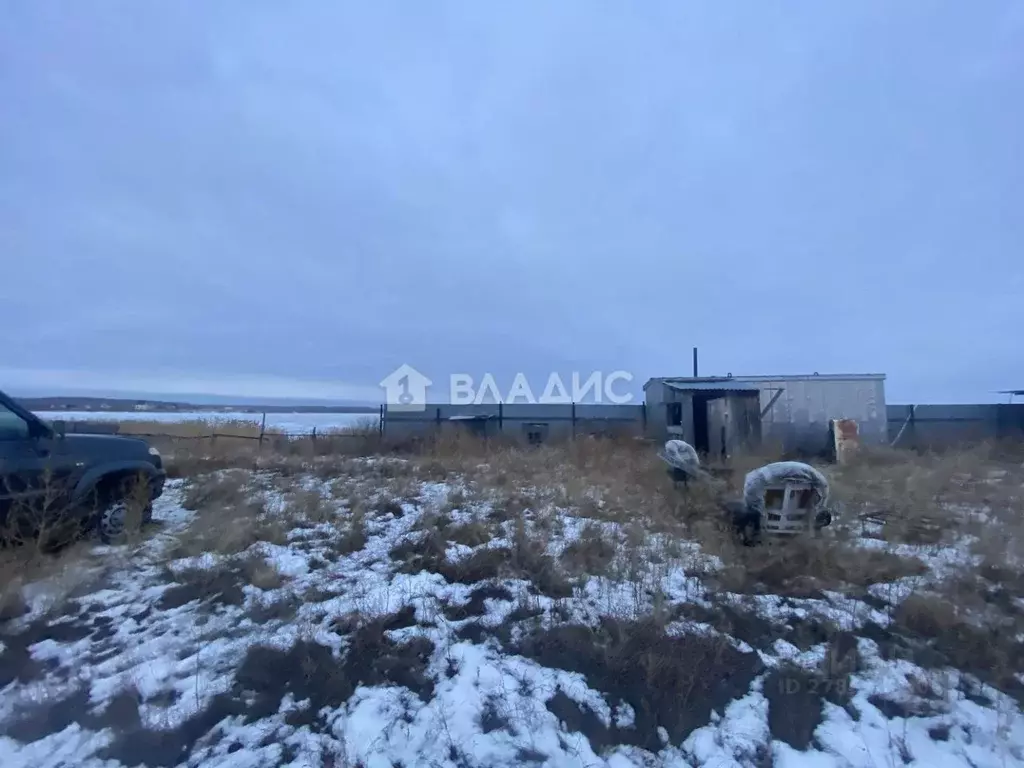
<point x="261" y="573"/>
<point x="309" y="505"/>
<point x="969" y="620"/>
<point x="593" y="552"/>
<point x="909" y="492"/>
<point x="470" y="534"/>
<point x="191" y="448"/>
<point x="231" y="517"/>
<point x="903" y="498"/>
<point x="960" y="625"/>
<point x="228" y="428"/>
<point x="43" y="518"/>
<point x="353" y="536"/>
<point x="525" y="558"/>
<point x="224" y="488"/>
<point x="804" y="567"/>
<point x="671" y="682"/>
<point x="46" y="541"/>
<point x="196" y="428"/>
<point x="56" y="575"/>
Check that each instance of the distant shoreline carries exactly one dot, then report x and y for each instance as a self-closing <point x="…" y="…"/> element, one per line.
<point x="142" y="407"/>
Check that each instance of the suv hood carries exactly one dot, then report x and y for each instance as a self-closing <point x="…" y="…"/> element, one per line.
<point x="108" y="446"/>
<point x="103" y="440"/>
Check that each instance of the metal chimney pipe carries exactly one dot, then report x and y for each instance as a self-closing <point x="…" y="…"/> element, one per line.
<point x="695" y="362"/>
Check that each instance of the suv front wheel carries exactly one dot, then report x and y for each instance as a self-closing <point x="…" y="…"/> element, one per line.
<point x="121" y="507"/>
<point x="113" y="521"/>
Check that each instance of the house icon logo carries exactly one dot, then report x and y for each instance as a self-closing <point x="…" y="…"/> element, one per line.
<point x="405" y="389"/>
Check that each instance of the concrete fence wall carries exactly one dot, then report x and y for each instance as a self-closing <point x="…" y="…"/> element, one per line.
<point x="939" y="426"/>
<point x="918" y="427"/>
<point x="518" y="420"/>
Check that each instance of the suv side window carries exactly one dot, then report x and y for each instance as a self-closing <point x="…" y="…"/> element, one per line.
<point x="12" y="426"/>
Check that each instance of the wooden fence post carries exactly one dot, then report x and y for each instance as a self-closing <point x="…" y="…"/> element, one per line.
<point x="263" y="429"/>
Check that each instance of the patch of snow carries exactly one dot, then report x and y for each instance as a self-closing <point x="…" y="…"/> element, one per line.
<point x="177" y="656"/>
<point x="736" y="738"/>
<point x="286" y="560"/>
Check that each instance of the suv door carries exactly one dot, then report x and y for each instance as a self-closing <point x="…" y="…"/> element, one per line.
<point x="33" y="485"/>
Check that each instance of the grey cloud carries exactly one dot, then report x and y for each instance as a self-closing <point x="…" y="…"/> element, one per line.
<point x="324" y="191"/>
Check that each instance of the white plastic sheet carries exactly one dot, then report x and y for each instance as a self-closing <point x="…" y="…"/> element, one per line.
<point x="681" y="455"/>
<point x="756" y="482"/>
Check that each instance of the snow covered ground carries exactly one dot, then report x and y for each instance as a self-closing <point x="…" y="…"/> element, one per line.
<point x="373" y="614"/>
<point x="287" y="422"/>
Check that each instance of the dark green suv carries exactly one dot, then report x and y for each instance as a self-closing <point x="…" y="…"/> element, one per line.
<point x="54" y="485"/>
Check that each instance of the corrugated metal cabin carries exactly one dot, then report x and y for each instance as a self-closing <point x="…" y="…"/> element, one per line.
<point x="726" y="415"/>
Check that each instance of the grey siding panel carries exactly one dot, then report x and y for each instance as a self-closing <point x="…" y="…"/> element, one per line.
<point x="654" y="411"/>
<point x="799" y="417"/>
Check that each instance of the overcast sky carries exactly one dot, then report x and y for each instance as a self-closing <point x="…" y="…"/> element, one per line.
<point x="266" y="198"/>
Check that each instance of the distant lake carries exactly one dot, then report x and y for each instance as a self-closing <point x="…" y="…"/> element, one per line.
<point x="287" y="422"/>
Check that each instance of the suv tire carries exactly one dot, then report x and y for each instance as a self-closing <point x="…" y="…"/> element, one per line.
<point x="112" y="512"/>
<point x="112" y="522"/>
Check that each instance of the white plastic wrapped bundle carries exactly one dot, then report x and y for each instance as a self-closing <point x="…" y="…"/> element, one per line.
<point x="781" y="472"/>
<point x="681" y="455"/>
<point x="800" y="493"/>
